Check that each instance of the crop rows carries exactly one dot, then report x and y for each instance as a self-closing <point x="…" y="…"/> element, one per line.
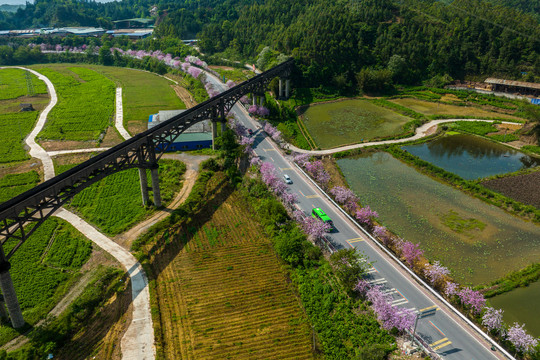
<point x="85" y="105"/>
<point x="14" y="84"/>
<point x="114" y="204"/>
<point x="222" y="293"/>
<point x="14" y="127"/>
<point x="12" y="185"/>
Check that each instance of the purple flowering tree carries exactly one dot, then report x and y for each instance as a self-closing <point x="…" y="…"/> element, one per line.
<point x="365" y="216"/>
<point x="301" y="159"/>
<point x="382" y="234"/>
<point x="492" y="319"/>
<point x="255" y="161"/>
<point x="362" y="287"/>
<point x="317" y="172"/>
<point x="247" y="142"/>
<point x="343" y="194"/>
<point x="411" y="252"/>
<point x="230" y="84"/>
<point x="193" y="71"/>
<point x="522" y="341"/>
<point x="390" y="316"/>
<point x="450" y="289"/>
<point x="473" y="299"/>
<point x="436" y="272"/>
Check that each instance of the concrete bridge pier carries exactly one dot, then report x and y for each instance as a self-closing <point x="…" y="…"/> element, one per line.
<point x="144" y="186"/>
<point x="287" y="87"/>
<point x="261" y="100"/>
<point x="155" y="185"/>
<point x="214" y="134"/>
<point x="223" y="126"/>
<point x="254" y="98"/>
<point x="10" y="297"/>
<point x="280" y="95"/>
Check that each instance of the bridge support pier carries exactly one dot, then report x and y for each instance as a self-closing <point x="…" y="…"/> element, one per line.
<point x="10" y="297"/>
<point x="280" y="95"/>
<point x="144" y="186"/>
<point x="261" y="100"/>
<point x="287" y="87"/>
<point x="254" y="98"/>
<point x="155" y="185"/>
<point x="223" y="127"/>
<point x="214" y="134"/>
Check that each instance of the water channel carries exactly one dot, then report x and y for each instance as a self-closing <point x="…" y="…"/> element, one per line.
<point x="471" y="157"/>
<point x="477" y="241"/>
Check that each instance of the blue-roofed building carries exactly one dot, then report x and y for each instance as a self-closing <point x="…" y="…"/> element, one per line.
<point x="198" y="136"/>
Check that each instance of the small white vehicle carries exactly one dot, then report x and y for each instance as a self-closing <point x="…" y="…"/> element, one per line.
<point x="287" y="179"/>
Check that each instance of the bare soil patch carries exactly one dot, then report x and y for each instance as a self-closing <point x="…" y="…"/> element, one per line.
<point x="221" y="67"/>
<point x="111" y="138"/>
<point x="69" y="159"/>
<point x="523" y="188"/>
<point x="135" y="127"/>
<point x="22" y="167"/>
<point x="57" y="145"/>
<point x="185" y="96"/>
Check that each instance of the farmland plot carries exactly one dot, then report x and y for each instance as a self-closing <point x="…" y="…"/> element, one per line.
<point x="15" y="83"/>
<point x="221" y="292"/>
<point x="12" y="185"/>
<point x="43" y="268"/>
<point x="14" y="127"/>
<point x="85" y="104"/>
<point x="114" y="204"/>
<point x="143" y="94"/>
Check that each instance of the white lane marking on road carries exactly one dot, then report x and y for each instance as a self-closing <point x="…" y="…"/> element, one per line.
<point x="377" y="281"/>
<point x="399" y="302"/>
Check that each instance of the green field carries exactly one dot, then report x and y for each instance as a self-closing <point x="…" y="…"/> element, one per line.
<point x="351" y="121"/>
<point x="435" y="109"/>
<point x="143" y="94"/>
<point x="14" y="127"/>
<point x="43" y="268"/>
<point x="114" y="204"/>
<point x="12" y="185"/>
<point x="85" y="104"/>
<point x="15" y="83"/>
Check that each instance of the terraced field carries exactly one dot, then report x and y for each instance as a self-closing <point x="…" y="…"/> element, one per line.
<point x="222" y="294"/>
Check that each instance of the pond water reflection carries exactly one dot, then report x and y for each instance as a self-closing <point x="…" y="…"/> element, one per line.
<point x="477" y="241"/>
<point x="471" y="157"/>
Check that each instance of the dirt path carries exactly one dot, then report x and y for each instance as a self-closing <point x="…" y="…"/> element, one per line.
<point x="192" y="162"/>
<point x="185" y="96"/>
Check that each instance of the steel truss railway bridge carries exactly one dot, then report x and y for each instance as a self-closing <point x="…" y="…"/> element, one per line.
<point x="22" y="215"/>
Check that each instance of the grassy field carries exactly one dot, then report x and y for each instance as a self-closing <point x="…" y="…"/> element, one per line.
<point x="12" y="185"/>
<point x="143" y="94"/>
<point x="114" y="204"/>
<point x="85" y="103"/>
<point x="15" y="83"/>
<point x="234" y="74"/>
<point x="351" y="121"/>
<point x="16" y="87"/>
<point x="43" y="268"/>
<point x="221" y="293"/>
<point x="14" y="127"/>
<point x="433" y="109"/>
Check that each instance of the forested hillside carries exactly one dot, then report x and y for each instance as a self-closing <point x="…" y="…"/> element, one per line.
<point x="344" y="43"/>
<point x="467" y="37"/>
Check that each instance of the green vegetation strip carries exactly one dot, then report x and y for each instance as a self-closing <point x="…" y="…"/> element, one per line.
<point x="15" y="83"/>
<point x="114" y="204"/>
<point x="12" y="185"/>
<point x="520" y="278"/>
<point x="14" y="127"/>
<point x="85" y="104"/>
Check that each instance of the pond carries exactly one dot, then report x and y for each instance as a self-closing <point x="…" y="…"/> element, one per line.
<point x="471" y="157"/>
<point x="477" y="241"/>
<point x="351" y="121"/>
<point x="521" y="305"/>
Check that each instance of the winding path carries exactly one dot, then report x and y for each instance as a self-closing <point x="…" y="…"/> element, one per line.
<point x="420" y="132"/>
<point x="138" y="341"/>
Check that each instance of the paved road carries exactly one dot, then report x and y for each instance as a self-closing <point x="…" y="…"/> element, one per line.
<point x="437" y="325"/>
